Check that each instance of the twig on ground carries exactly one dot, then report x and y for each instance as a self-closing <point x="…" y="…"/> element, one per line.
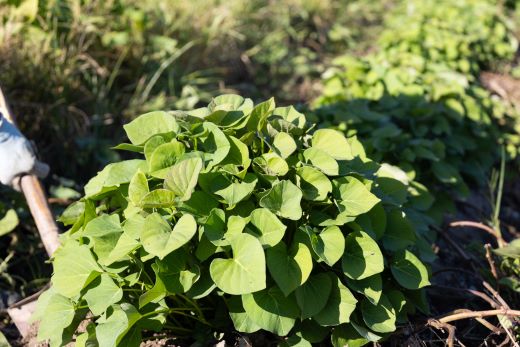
<point x="490" y="260"/>
<point x="479" y="314"/>
<point x="480" y="226"/>
<point x="444" y="326"/>
<point x="496" y="295"/>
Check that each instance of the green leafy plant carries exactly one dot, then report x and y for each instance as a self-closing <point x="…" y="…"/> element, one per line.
<point x="242" y="210"/>
<point x="412" y="104"/>
<point x="466" y="35"/>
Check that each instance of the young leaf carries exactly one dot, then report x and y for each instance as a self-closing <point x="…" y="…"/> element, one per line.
<point x="138" y="188"/>
<point x="182" y="177"/>
<point x="321" y="160"/>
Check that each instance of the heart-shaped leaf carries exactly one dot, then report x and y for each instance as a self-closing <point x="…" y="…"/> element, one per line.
<point x="313" y="294"/>
<point x="381" y="317"/>
<point x="284" y="199"/>
<point x="362" y="257"/>
<point x="267" y="227"/>
<point x="159" y="239"/>
<point x="245" y="272"/>
<point x="409" y="271"/>
<point x="340" y="304"/>
<point x="289" y="268"/>
<point x="271" y="310"/>
<point x="182" y="177"/>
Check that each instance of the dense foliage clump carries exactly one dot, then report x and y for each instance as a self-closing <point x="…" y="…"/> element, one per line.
<point x="416" y="104"/>
<point x="466" y="35"/>
<point x="238" y="216"/>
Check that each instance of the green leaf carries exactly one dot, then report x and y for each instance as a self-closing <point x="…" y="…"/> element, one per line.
<point x="311" y="331"/>
<point x="72" y="213"/>
<point x="216" y="145"/>
<point x="332" y="142"/>
<point x="328" y="245"/>
<point x="373" y="222"/>
<point x="266" y="227"/>
<point x="362" y="257"/>
<point x="512" y="250"/>
<point x="151" y="144"/>
<point x="245" y="272"/>
<point x="284" y="144"/>
<point x="284" y="199"/>
<point x="149" y="124"/>
<point x="321" y="160"/>
<point x="313" y="294"/>
<point x="241" y="320"/>
<point x="399" y="232"/>
<point x="371" y="287"/>
<point x="346" y="335"/>
<point x="258" y="117"/>
<point x="112" y="329"/>
<point x="340" y="304"/>
<point x="102" y="293"/>
<point x="236" y="192"/>
<point x="74" y="268"/>
<point x="138" y="188"/>
<point x="355" y="198"/>
<point x="159" y="239"/>
<point x="409" y="271"/>
<point x="381" y="317"/>
<point x="113" y="175"/>
<point x="314" y="184"/>
<point x="158" y="198"/>
<point x="271" y="310"/>
<point x="124" y="246"/>
<point x="55" y="313"/>
<point x="289" y="268"/>
<point x="182" y="177"/>
<point x="9" y="222"/>
<point x="272" y="164"/>
<point x="164" y="156"/>
<point x="104" y="232"/>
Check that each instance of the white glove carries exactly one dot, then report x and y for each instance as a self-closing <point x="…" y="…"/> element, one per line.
<point x="16" y="154"/>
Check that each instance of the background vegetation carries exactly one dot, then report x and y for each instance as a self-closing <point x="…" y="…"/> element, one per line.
<point x="76" y="71"/>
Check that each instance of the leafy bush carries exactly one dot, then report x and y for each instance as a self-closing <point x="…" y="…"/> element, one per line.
<point x="465" y="35"/>
<point x="237" y="214"/>
<point x="412" y="108"/>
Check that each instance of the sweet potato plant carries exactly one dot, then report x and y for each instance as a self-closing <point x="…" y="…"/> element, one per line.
<point x="234" y="217"/>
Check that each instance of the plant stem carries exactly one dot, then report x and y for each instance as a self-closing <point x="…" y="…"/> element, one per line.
<point x="496" y="216"/>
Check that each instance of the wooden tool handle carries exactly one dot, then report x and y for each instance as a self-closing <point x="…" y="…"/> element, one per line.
<point x="35" y="196"/>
